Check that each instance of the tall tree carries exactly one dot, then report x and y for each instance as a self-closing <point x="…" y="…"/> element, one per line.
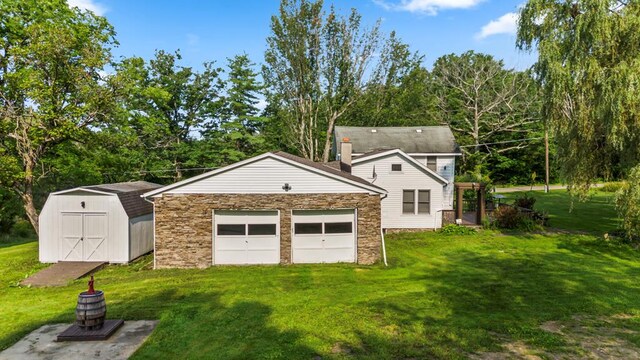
<point x="484" y="103"/>
<point x="167" y="104"/>
<point x="397" y="93"/>
<point x="51" y="91"/>
<point x="315" y="70"/>
<point x="239" y="130"/>
<point x="589" y="67"/>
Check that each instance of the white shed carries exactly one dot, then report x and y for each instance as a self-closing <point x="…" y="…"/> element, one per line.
<point x="108" y="222"/>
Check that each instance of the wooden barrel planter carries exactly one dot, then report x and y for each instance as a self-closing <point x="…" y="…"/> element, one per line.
<point x="91" y="310"/>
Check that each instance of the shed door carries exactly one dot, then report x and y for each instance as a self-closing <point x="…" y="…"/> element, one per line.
<point x="83" y="237"/>
<point x="326" y="236"/>
<point x="246" y="237"/>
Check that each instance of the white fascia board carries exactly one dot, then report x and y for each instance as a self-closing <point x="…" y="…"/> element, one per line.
<point x="154" y="193"/>
<point x="434" y="154"/>
<point x="82" y="189"/>
<point x="407" y="157"/>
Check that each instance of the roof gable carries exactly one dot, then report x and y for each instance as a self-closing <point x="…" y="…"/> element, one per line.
<point x="267" y="173"/>
<point x="397" y="152"/>
<point x="410" y="139"/>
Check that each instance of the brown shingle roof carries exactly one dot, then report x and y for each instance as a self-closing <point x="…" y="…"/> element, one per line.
<point x="326" y="168"/>
<point x="129" y="195"/>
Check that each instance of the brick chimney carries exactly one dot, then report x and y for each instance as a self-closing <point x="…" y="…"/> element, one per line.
<point x="345" y="154"/>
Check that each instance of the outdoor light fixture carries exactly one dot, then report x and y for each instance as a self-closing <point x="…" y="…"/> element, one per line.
<point x="286" y="187"/>
<point x="82" y="204"/>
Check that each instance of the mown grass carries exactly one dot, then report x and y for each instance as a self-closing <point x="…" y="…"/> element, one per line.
<point x="441" y="296"/>
<point x="596" y="215"/>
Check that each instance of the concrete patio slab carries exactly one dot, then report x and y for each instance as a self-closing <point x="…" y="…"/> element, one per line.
<point x="41" y="344"/>
<point x="59" y="274"/>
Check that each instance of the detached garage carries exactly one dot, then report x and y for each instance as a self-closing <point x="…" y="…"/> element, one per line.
<point x="108" y="222"/>
<point x="275" y="208"/>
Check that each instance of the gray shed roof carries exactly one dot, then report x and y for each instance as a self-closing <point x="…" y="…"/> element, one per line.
<point x="129" y="195"/>
<point x="410" y="139"/>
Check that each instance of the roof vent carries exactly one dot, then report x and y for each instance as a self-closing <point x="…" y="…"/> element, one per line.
<point x="418" y="130"/>
<point x="374" y="130"/>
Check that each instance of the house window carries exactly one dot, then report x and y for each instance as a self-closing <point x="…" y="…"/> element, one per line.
<point x="431" y="163"/>
<point x="396" y="167"/>
<point x="408" y="201"/>
<point x="424" y="201"/>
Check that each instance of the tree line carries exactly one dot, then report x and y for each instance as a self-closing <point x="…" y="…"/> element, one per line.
<point x="71" y="114"/>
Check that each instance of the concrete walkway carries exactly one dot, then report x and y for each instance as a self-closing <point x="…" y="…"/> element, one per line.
<point x="41" y="344"/>
<point x="59" y="274"/>
<point x="535" y="188"/>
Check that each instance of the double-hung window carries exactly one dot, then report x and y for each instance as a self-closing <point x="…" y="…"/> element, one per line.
<point x="416" y="201"/>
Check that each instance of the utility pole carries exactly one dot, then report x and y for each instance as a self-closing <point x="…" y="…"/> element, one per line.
<point x="546" y="157"/>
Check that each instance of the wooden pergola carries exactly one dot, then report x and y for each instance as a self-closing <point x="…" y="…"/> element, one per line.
<point x="479" y="188"/>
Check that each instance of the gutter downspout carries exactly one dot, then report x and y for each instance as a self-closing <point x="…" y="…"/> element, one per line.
<point x="384" y="248"/>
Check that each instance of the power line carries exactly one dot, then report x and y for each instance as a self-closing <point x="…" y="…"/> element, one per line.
<point x="159" y="171"/>
<point x="502" y="142"/>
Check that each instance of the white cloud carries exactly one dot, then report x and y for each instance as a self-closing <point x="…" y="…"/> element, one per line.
<point x="505" y="24"/>
<point x="430" y="7"/>
<point x="90" y="5"/>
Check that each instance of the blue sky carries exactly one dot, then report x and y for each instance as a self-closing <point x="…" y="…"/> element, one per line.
<point x="218" y="29"/>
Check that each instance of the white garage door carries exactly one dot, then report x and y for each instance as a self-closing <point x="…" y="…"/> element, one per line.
<point x="246" y="237"/>
<point x="83" y="237"/>
<point x="326" y="236"/>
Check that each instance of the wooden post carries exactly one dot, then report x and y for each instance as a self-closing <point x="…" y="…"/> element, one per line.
<point x="459" y="202"/>
<point x="480" y="208"/>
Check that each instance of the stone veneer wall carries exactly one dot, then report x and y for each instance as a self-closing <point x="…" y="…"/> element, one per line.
<point x="183" y="223"/>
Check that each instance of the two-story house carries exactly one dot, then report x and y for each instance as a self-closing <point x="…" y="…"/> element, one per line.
<point x="416" y="166"/>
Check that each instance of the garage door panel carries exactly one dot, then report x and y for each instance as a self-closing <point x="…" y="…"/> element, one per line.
<point x="263" y="257"/>
<point x="231" y="243"/>
<point x="308" y="242"/>
<point x="338" y="242"/>
<point x="246" y="237"/>
<point x="231" y="257"/>
<point x="256" y="243"/>
<point x="308" y="256"/>
<point x="323" y="236"/>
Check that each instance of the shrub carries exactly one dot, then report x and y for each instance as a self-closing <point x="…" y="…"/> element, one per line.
<point x="611" y="187"/>
<point x="22" y="229"/>
<point x="525" y="201"/>
<point x="453" y="229"/>
<point x="507" y="217"/>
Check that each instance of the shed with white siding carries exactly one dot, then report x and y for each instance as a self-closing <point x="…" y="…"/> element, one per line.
<point x="108" y="222"/>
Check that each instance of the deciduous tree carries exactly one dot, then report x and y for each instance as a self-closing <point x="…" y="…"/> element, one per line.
<point x="51" y="91"/>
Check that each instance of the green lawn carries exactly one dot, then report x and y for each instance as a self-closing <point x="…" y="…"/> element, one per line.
<point x="440" y="297"/>
<point x="596" y="215"/>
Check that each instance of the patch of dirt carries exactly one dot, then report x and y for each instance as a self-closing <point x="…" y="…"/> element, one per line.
<point x="586" y="338"/>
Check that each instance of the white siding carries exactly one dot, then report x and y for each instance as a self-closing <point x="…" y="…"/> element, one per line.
<point x="118" y="230"/>
<point x="411" y="178"/>
<point x="140" y="235"/>
<point x="446" y="166"/>
<point x="267" y="176"/>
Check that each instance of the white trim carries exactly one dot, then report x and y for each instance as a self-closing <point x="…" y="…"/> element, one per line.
<point x="258" y="158"/>
<point x="82" y="189"/>
<point x="401" y="153"/>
